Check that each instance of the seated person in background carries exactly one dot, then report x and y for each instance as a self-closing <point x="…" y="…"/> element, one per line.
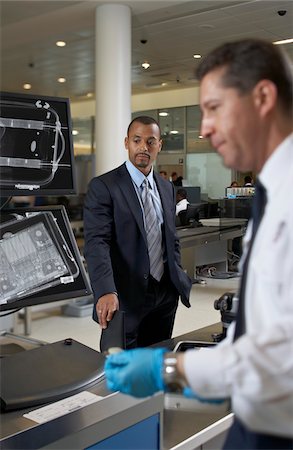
<point x="248" y="182"/>
<point x="181" y="201"/>
<point x="177" y="181"/>
<point x="234" y="184"/>
<point x="164" y="174"/>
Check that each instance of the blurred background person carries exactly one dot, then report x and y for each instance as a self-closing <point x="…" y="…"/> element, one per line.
<point x="181" y="201"/>
<point x="176" y="180"/>
<point x="164" y="174"/>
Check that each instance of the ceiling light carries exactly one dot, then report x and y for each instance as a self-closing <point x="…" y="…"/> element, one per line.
<point x="75" y="132"/>
<point x="174" y="132"/>
<point x="284" y="41"/>
<point x="60" y="43"/>
<point x="197" y="56"/>
<point x="145" y="65"/>
<point x="27" y="86"/>
<point x="62" y="80"/>
<point x="89" y="94"/>
<point x="164" y="84"/>
<point x="163" y="114"/>
<point x="200" y="136"/>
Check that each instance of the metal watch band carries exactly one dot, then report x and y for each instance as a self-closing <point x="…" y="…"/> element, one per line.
<point x="172" y="378"/>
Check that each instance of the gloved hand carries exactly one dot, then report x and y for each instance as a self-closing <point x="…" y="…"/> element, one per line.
<point x="135" y="372"/>
<point x="187" y="392"/>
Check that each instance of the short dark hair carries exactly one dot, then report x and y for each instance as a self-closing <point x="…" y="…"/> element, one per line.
<point x="248" y="61"/>
<point x="145" y="120"/>
<point x="182" y="193"/>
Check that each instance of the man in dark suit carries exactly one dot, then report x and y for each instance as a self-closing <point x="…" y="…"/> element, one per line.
<point x="116" y="242"/>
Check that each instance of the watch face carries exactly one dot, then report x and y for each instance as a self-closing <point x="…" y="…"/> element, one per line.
<point x="172" y="379"/>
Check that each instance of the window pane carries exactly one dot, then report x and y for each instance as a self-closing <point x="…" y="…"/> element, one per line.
<point x="151" y="113"/>
<point x="82" y="135"/>
<point x="207" y="171"/>
<point x="195" y="144"/>
<point x="171" y="121"/>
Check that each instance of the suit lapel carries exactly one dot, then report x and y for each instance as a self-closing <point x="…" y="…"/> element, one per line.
<point x="129" y="193"/>
<point x="165" y="198"/>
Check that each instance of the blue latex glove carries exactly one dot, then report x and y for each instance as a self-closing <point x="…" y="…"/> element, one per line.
<point x="135" y="372"/>
<point x="187" y="392"/>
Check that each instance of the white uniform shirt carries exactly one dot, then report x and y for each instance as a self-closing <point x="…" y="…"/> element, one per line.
<point x="256" y="371"/>
<point x="181" y="205"/>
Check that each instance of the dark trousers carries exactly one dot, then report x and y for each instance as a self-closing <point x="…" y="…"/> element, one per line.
<point x="240" y="438"/>
<point x="155" y="320"/>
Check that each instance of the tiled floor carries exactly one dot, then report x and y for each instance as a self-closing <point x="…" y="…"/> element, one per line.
<point x="51" y="325"/>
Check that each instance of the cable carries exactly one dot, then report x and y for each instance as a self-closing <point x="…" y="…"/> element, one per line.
<point x="5" y="200"/>
<point x="11" y="312"/>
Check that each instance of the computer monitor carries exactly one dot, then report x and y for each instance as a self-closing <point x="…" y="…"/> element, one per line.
<point x="36" y="147"/>
<point x="193" y="193"/>
<point x="43" y="238"/>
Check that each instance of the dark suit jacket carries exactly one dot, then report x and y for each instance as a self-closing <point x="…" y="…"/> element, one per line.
<point x="116" y="244"/>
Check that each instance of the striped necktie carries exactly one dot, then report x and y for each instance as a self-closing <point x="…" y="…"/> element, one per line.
<point x="258" y="208"/>
<point x="153" y="232"/>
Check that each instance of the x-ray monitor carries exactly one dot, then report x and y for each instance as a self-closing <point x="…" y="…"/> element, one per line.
<point x="36" y="147"/>
<point x="40" y="260"/>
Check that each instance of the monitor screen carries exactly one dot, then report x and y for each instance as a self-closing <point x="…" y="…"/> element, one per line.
<point x="40" y="260"/>
<point x="36" y="147"/>
<point x="193" y="193"/>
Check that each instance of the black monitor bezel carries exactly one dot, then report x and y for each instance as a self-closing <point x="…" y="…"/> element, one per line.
<point x="60" y="292"/>
<point x="45" y="190"/>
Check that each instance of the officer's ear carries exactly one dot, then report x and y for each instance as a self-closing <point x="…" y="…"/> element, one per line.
<point x="265" y="96"/>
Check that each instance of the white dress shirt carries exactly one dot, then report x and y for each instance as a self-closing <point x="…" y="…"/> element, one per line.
<point x="256" y="371"/>
<point x="181" y="205"/>
<point x="138" y="178"/>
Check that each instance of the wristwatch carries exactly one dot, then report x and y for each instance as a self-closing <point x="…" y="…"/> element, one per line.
<point x="173" y="380"/>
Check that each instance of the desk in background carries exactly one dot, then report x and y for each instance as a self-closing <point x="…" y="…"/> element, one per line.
<point x="208" y="245"/>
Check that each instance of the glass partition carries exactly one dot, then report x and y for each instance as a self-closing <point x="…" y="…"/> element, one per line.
<point x="172" y="123"/>
<point x="184" y="150"/>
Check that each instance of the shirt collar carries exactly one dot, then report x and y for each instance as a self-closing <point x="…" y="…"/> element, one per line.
<point x="271" y="175"/>
<point x="137" y="176"/>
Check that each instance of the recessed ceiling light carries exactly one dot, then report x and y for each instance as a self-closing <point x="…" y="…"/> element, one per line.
<point x="174" y="132"/>
<point x="62" y="80"/>
<point x="164" y="84"/>
<point x="89" y="94"/>
<point x="75" y="132"/>
<point x="27" y="86"/>
<point x="145" y="65"/>
<point x="60" y="43"/>
<point x="197" y="56"/>
<point x="200" y="136"/>
<point x="284" y="41"/>
<point x="163" y="114"/>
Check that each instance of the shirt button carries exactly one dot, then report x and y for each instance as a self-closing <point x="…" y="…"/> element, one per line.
<point x="145" y="276"/>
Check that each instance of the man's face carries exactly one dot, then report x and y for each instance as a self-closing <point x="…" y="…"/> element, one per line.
<point x="143" y="144"/>
<point x="231" y="122"/>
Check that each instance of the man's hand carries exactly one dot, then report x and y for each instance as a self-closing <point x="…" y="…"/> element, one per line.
<point x="135" y="372"/>
<point x="105" y="307"/>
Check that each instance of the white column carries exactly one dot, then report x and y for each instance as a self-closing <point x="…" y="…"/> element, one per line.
<point x="113" y="84"/>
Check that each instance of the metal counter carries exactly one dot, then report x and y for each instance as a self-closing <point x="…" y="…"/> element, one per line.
<point x="208" y="244"/>
<point x="82" y="428"/>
